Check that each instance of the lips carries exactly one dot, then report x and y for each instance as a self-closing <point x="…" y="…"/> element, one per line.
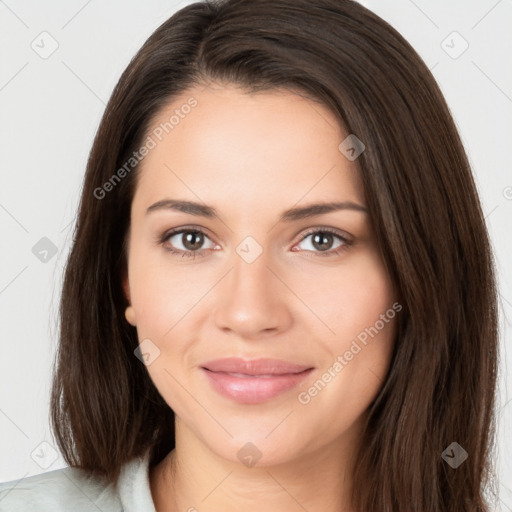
<point x="255" y="367"/>
<point x="253" y="382"/>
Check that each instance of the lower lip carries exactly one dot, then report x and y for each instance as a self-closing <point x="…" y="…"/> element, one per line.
<point x="253" y="390"/>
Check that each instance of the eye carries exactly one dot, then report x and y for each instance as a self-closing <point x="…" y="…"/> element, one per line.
<point x="186" y="242"/>
<point x="189" y="242"/>
<point x="322" y="242"/>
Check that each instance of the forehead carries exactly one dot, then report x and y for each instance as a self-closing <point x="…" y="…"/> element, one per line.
<point x="219" y="142"/>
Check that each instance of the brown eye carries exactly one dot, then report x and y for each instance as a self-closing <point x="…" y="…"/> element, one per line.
<point x="324" y="241"/>
<point x="186" y="242"/>
<point x="192" y="240"/>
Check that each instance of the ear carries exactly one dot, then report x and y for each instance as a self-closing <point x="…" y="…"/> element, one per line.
<point x="129" y="314"/>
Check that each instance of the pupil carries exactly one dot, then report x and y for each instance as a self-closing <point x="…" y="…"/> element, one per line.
<point x="322" y="241"/>
<point x="189" y="240"/>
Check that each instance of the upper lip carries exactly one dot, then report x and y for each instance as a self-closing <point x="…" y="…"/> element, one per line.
<point x="254" y="366"/>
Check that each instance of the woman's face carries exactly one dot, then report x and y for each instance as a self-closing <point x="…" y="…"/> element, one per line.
<point x="257" y="274"/>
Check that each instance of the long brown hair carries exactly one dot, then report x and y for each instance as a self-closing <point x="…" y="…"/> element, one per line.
<point x="425" y="212"/>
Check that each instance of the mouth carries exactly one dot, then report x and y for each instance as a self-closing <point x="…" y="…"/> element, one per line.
<point x="256" y="381"/>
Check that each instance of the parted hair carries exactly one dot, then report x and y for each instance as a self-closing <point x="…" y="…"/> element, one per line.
<point x="424" y="209"/>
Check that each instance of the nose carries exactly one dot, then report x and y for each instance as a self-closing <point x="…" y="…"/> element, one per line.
<point x="252" y="301"/>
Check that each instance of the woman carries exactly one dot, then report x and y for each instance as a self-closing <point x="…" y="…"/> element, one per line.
<point x="280" y="294"/>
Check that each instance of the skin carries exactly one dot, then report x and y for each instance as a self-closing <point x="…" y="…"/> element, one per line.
<point x="252" y="156"/>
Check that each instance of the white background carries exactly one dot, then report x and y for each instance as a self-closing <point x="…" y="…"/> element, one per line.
<point x="51" y="108"/>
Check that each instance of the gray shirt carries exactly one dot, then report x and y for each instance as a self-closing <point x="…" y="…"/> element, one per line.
<point x="71" y="489"/>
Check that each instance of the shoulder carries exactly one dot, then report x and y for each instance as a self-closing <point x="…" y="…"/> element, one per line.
<point x="77" y="490"/>
<point x="61" y="489"/>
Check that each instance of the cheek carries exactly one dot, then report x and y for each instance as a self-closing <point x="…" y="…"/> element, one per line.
<point x="356" y="304"/>
<point x="349" y="298"/>
<point x="357" y="356"/>
<point x="162" y="294"/>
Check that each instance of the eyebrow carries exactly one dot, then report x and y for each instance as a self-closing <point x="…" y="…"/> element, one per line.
<point x="293" y="214"/>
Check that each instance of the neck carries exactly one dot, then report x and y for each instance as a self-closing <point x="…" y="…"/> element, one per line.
<point x="193" y="478"/>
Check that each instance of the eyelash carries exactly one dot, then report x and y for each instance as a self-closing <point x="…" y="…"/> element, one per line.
<point x="192" y="254"/>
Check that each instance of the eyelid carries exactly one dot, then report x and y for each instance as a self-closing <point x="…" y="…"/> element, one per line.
<point x="324" y="229"/>
<point x="185" y="229"/>
<point x="192" y="228"/>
